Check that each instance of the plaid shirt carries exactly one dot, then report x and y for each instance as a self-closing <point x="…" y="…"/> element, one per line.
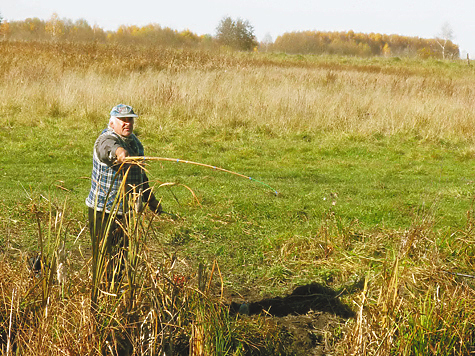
<point x="107" y="177"/>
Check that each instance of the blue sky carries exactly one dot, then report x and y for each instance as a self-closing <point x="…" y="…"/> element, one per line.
<point x="422" y="18"/>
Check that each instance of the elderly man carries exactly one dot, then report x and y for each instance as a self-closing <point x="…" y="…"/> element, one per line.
<point x="112" y="146"/>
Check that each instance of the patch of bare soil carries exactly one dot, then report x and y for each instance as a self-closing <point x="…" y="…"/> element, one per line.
<point x="312" y="316"/>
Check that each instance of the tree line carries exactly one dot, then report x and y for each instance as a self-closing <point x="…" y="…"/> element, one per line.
<point x="234" y="34"/>
<point x="363" y="44"/>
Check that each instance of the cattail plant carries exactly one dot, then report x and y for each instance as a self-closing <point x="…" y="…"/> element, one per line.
<point x="49" y="249"/>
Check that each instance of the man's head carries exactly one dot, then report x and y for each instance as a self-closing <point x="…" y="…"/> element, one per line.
<point x="122" y="120"/>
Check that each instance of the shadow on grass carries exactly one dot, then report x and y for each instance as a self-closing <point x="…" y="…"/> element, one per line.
<point x="303" y="299"/>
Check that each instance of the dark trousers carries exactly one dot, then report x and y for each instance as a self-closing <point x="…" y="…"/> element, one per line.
<point x="98" y="224"/>
<point x="116" y="239"/>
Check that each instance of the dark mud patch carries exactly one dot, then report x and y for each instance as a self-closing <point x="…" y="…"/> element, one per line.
<point x="311" y="317"/>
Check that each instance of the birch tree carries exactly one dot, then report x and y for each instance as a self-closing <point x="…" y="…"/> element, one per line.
<point x="445" y="36"/>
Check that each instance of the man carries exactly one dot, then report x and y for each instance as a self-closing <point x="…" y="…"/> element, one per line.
<point x="110" y="195"/>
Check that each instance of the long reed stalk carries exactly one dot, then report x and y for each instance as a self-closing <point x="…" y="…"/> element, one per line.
<point x="139" y="160"/>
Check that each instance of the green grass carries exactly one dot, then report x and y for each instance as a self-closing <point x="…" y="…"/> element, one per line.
<point x="370" y="183"/>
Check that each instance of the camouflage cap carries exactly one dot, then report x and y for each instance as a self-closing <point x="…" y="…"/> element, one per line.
<point x="122" y="110"/>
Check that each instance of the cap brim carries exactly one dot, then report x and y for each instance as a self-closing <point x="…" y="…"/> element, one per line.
<point x="128" y="115"/>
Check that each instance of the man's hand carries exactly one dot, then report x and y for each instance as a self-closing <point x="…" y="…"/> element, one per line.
<point x="155" y="206"/>
<point x="121" y="153"/>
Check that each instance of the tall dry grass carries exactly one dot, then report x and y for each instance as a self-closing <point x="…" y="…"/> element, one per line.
<point x="154" y="305"/>
<point x="79" y="84"/>
<point x="398" y="282"/>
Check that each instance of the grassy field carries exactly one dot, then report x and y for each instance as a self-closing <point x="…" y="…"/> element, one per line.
<point x="372" y="159"/>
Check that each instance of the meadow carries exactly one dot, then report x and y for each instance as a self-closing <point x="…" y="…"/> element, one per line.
<point x="367" y="248"/>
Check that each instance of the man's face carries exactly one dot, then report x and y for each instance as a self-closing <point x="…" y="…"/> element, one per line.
<point x="123" y="126"/>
